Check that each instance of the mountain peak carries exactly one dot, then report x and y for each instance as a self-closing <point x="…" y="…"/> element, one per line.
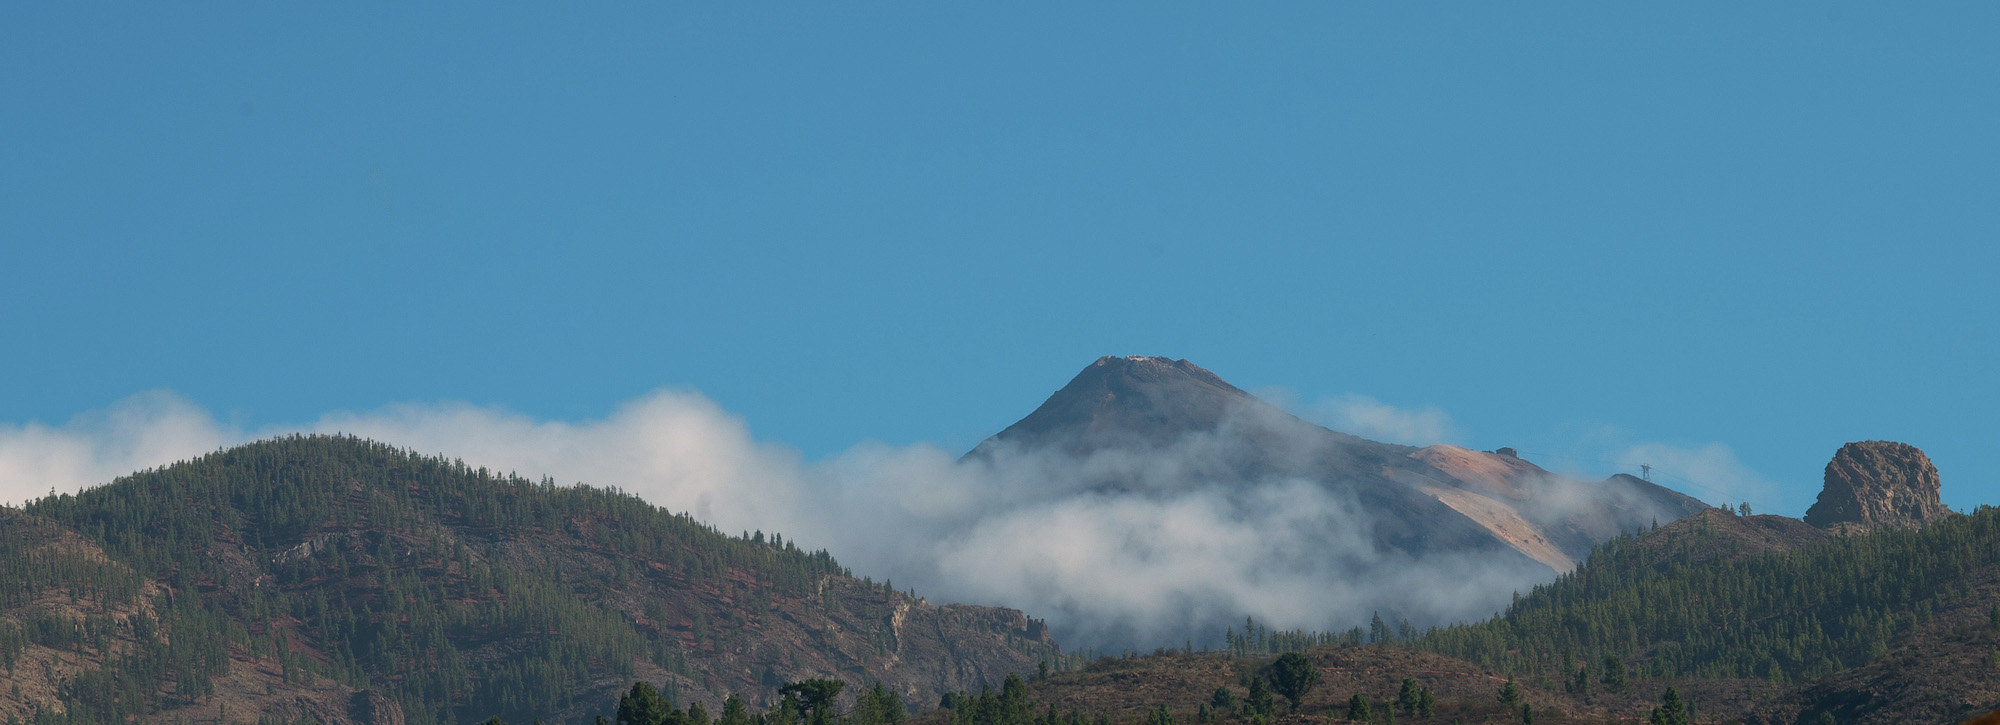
<point x="1123" y="400"/>
<point x="1154" y="369"/>
<point x="1161" y="424"/>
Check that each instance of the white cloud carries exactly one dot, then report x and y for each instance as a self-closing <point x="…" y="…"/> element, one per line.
<point x="1710" y="472"/>
<point x="678" y="450"/>
<point x="143" y="431"/>
<point x="1375" y="420"/>
<point x="1176" y="551"/>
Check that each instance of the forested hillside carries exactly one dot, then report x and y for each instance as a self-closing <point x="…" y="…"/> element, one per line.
<point x="1760" y="620"/>
<point x="339" y="579"/>
<point x="1797" y="614"/>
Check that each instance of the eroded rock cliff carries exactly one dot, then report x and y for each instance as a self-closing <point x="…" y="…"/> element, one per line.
<point x="1878" y="483"/>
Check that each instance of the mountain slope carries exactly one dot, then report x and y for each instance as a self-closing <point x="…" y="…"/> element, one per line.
<point x="1882" y="627"/>
<point x="1718" y="534"/>
<point x="1757" y="620"/>
<point x="1418" y="501"/>
<point x="1184" y="684"/>
<point x="410" y="588"/>
<point x="1116" y="402"/>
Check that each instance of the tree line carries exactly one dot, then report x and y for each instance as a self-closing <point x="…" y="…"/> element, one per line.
<point x="368" y="564"/>
<point x="1783" y="616"/>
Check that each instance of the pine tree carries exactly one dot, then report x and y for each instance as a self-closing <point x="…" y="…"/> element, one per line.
<point x="1510" y="695"/>
<point x="1258" y="702"/>
<point x="788" y="711"/>
<point x="1223" y="700"/>
<point x="816" y="698"/>
<point x="1293" y="675"/>
<point x="1671" y="710"/>
<point x="877" y="705"/>
<point x="1014" y="706"/>
<point x="733" y="712"/>
<point x="1406" y="698"/>
<point x="1358" y="710"/>
<point x="1426" y="704"/>
<point x="643" y="705"/>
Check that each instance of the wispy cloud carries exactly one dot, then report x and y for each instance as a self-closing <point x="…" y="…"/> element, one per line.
<point x="146" y="430"/>
<point x="1375" y="420"/>
<point x="1176" y="552"/>
<point x="1709" y="471"/>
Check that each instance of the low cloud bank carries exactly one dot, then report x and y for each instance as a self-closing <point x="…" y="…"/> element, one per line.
<point x="146" y="430"/>
<point x="1173" y="555"/>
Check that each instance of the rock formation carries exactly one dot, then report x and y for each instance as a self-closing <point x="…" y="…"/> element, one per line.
<point x="1871" y="484"/>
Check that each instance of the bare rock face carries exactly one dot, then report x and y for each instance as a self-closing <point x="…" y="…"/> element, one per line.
<point x="1878" y="483"/>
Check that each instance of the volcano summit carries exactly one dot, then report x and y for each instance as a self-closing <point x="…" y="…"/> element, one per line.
<point x="1152" y="424"/>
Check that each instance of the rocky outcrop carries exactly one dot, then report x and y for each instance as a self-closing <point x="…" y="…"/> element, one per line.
<point x="1872" y="484"/>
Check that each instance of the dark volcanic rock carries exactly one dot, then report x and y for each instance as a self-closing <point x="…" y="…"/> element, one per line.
<point x="1123" y="401"/>
<point x="1878" y="483"/>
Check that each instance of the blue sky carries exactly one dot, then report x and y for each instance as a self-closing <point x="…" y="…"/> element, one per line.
<point x="1577" y="229"/>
